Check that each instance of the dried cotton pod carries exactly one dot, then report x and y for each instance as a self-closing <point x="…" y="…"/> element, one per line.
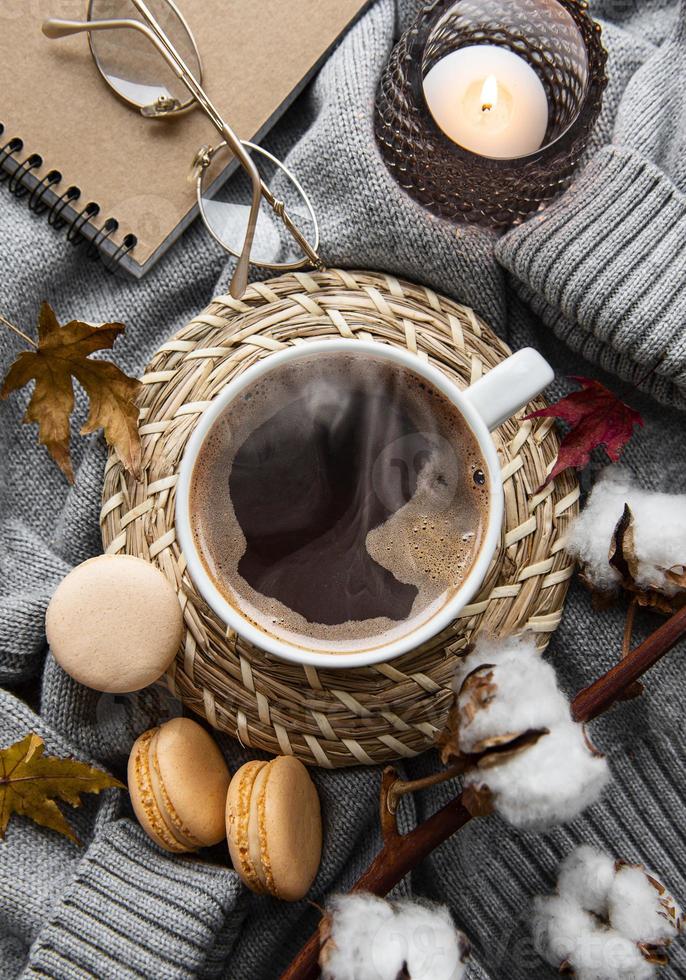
<point x="632" y="539"/>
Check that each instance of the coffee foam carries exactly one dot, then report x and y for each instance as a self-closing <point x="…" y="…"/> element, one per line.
<point x="429" y="543"/>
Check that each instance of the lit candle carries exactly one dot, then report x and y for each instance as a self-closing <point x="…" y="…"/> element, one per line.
<point x="489" y="100"/>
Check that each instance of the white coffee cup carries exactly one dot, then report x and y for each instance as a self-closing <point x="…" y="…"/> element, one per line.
<point x="484" y="405"/>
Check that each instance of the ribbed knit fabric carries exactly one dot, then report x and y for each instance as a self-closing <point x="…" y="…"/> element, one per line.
<point x="153" y="914"/>
<point x="605" y="267"/>
<point x="598" y="275"/>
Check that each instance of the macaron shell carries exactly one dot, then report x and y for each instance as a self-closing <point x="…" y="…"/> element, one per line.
<point x="171" y="824"/>
<point x="238" y="806"/>
<point x="115" y="623"/>
<point x="143" y="798"/>
<point x="290" y="827"/>
<point x="194" y="780"/>
<point x="257" y="836"/>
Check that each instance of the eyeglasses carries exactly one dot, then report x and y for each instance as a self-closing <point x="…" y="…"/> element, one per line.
<point x="262" y="215"/>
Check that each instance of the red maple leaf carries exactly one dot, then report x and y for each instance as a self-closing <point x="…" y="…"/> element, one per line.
<point x="596" y="418"/>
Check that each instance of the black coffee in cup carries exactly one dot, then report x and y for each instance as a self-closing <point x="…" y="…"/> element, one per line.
<point x="340" y="501"/>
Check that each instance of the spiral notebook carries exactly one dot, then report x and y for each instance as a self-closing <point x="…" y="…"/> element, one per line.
<point x="97" y="168"/>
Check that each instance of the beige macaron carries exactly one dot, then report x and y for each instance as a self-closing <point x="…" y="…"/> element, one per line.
<point x="178" y="782"/>
<point x="274" y="827"/>
<point x="114" y="623"/>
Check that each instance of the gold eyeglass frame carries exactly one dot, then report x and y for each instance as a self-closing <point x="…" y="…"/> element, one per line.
<point x="151" y="29"/>
<point x="161" y="108"/>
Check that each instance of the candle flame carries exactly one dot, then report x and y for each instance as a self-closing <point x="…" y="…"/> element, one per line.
<point x="489" y="94"/>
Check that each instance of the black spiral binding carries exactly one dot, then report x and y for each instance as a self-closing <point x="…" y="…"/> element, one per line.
<point x="17" y="184"/>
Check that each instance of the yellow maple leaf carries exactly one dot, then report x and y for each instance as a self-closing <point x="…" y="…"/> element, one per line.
<point x="63" y="354"/>
<point x="30" y="782"/>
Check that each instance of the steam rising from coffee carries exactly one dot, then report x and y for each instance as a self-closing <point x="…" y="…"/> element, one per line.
<point x="335" y="502"/>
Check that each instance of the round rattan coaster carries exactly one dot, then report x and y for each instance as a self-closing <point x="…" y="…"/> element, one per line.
<point x="336" y="717"/>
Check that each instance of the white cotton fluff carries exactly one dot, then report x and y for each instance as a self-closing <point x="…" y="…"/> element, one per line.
<point x="525" y="697"/>
<point x="550" y="782"/>
<point x="659" y="531"/>
<point x="434" y="948"/>
<point x="634" y="908"/>
<point x="604" y="954"/>
<point x="557" y="925"/>
<point x="362" y="945"/>
<point x="373" y="940"/>
<point x="565" y="933"/>
<point x="586" y="877"/>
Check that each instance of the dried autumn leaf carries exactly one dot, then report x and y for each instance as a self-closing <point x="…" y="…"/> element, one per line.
<point x="63" y="354"/>
<point x="596" y="418"/>
<point x="30" y="782"/>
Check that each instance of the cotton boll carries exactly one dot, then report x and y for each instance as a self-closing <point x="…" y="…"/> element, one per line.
<point x="659" y="532"/>
<point x="641" y="911"/>
<point x="586" y="877"/>
<point x="549" y="782"/>
<point x="361" y="943"/>
<point x="518" y="693"/>
<point x="532" y="757"/>
<point x="434" y="948"/>
<point x="633" y="919"/>
<point x="564" y="933"/>
<point x="366" y="938"/>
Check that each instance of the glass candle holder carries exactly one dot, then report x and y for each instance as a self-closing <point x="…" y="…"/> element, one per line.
<point x="486" y="106"/>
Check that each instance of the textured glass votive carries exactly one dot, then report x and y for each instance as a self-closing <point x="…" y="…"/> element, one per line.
<point x="553" y="54"/>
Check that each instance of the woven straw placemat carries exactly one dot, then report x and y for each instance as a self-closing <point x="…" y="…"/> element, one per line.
<point x="336" y="717"/>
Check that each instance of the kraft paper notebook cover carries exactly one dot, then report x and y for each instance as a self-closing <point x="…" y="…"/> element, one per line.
<point x="256" y="56"/>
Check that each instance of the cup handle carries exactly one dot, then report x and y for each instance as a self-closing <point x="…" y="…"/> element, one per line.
<point x="509" y="386"/>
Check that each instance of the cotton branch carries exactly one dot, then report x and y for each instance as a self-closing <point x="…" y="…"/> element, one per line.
<point x="606" y="690"/>
<point x="403" y="852"/>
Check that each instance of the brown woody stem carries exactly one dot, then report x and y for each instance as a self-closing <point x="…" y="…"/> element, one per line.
<point x="403" y="852"/>
<point x="634" y="690"/>
<point x="19" y="333"/>
<point x="401" y="787"/>
<point x="389" y="824"/>
<point x="629" y="628"/>
<point x="602" y="694"/>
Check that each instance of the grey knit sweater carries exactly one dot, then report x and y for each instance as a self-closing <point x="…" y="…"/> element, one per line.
<point x="598" y="283"/>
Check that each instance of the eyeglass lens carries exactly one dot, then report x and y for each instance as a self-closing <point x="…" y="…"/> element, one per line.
<point x="226" y="206"/>
<point x="128" y="62"/>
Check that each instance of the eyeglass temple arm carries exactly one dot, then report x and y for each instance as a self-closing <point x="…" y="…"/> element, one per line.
<point x="239" y="280"/>
<point x="55" y="28"/>
<point x="277" y="206"/>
